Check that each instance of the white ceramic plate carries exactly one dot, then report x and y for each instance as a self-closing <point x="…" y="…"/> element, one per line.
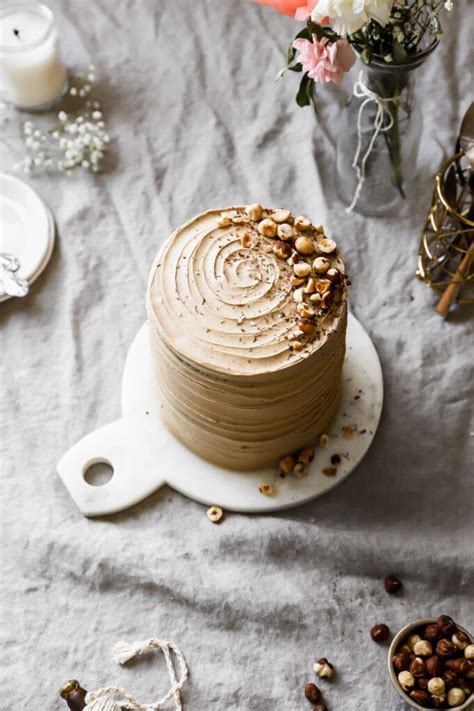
<point x="26" y="228"/>
<point x="145" y="456"/>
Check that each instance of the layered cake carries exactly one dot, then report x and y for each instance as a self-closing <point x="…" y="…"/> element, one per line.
<point x="247" y="309"/>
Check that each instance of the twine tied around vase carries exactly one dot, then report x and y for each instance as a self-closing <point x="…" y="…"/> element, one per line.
<point x="100" y="700"/>
<point x="361" y="90"/>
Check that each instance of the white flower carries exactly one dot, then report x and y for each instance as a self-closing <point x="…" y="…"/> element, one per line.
<point x="448" y="5"/>
<point x="348" y="16"/>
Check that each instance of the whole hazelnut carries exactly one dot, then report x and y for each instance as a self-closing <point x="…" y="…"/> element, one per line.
<point x="450" y="678"/>
<point x="432" y="633"/>
<point x="422" y="682"/>
<point x="323" y="668"/>
<point x="439" y="701"/>
<point x="460" y="639"/>
<point x="459" y="666"/>
<point x="469" y="651"/>
<point x="446" y="625"/>
<point x="392" y="584"/>
<point x="304" y="245"/>
<point x="401" y="661"/>
<point x="406" y="680"/>
<point x="423" y="648"/>
<point x="417" y="667"/>
<point x="379" y="633"/>
<point x="445" y="648"/>
<point x="312" y="693"/>
<point x="412" y="640"/>
<point x="436" y="686"/>
<point x="456" y="696"/>
<point x="434" y="666"/>
<point x="421" y="697"/>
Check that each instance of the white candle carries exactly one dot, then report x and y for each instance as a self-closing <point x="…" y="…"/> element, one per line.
<point x="32" y="75"/>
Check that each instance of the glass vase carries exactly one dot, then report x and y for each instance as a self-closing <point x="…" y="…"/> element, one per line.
<point x="380" y="137"/>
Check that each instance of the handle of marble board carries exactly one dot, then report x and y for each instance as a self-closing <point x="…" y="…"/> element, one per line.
<point x="132" y="448"/>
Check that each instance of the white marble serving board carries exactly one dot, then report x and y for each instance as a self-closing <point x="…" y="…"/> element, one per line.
<point x="145" y="456"/>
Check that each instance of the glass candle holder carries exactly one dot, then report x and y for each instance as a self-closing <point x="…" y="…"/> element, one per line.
<point x="32" y="75"/>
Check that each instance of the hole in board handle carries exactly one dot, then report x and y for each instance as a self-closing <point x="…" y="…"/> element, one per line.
<point x="98" y="472"/>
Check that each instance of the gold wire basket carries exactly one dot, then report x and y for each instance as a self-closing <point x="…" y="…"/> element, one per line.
<point x="446" y="253"/>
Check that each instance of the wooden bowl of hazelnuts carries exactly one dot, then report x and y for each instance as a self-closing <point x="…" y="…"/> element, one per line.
<point x="431" y="665"/>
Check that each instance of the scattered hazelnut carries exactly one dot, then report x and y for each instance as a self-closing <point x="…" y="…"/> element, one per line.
<point x="323" y="668"/>
<point x="306" y="326"/>
<point x="417" y="667"/>
<point x="333" y="275"/>
<point x="266" y="489"/>
<point x="246" y="239"/>
<point x="446" y="625"/>
<point x="469" y="651"/>
<point x="254" y="212"/>
<point x="215" y="514"/>
<point x="224" y="221"/>
<point x="304" y="245"/>
<point x="456" y="696"/>
<point x="458" y="666"/>
<point x="412" y="640"/>
<point x="282" y="250"/>
<point x="296" y="281"/>
<point x="330" y="471"/>
<point x="321" y="265"/>
<point x="306" y="455"/>
<point x="280" y="216"/>
<point x="421" y="697"/>
<point x="312" y="693"/>
<point x="445" y="648"/>
<point x="392" y="584"/>
<point x="324" y="440"/>
<point x="379" y="633"/>
<point x="302" y="224"/>
<point x="305" y="310"/>
<point x="406" y="680"/>
<point x="348" y="432"/>
<point x="434" y="666"/>
<point x="297" y="345"/>
<point x="300" y="470"/>
<point x="401" y="661"/>
<point x="267" y="228"/>
<point x="436" y="686"/>
<point x="432" y="633"/>
<point x="302" y="269"/>
<point x="460" y="639"/>
<point x="422" y="648"/>
<point x="286" y="464"/>
<point x="285" y="232"/>
<point x="326" y="246"/>
<point x="319" y="229"/>
<point x="323" y="285"/>
<point x="310" y="287"/>
<point x="298" y="295"/>
<point x="315" y="298"/>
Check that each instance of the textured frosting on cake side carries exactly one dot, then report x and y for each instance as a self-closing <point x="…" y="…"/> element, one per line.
<point x="243" y="377"/>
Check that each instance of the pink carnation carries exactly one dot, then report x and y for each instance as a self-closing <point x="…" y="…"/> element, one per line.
<point x="299" y="9"/>
<point x="323" y="60"/>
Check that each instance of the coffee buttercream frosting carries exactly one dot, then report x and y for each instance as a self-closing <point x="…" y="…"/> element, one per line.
<point x="247" y="311"/>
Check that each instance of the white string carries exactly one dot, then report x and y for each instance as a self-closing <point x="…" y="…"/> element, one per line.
<point x="361" y="90"/>
<point x="123" y="652"/>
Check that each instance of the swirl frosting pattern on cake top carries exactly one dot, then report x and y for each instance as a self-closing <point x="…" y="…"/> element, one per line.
<point x="224" y="293"/>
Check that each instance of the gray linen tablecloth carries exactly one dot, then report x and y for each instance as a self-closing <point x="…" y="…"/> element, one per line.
<point x="198" y="122"/>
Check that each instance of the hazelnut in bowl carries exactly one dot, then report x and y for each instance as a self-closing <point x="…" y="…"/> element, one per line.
<point x="431" y="665"/>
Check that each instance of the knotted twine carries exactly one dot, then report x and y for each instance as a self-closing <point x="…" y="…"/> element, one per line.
<point x="361" y="90"/>
<point x="99" y="700"/>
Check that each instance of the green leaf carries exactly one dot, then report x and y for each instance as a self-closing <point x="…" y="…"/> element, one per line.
<point x="296" y="67"/>
<point x="302" y="98"/>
